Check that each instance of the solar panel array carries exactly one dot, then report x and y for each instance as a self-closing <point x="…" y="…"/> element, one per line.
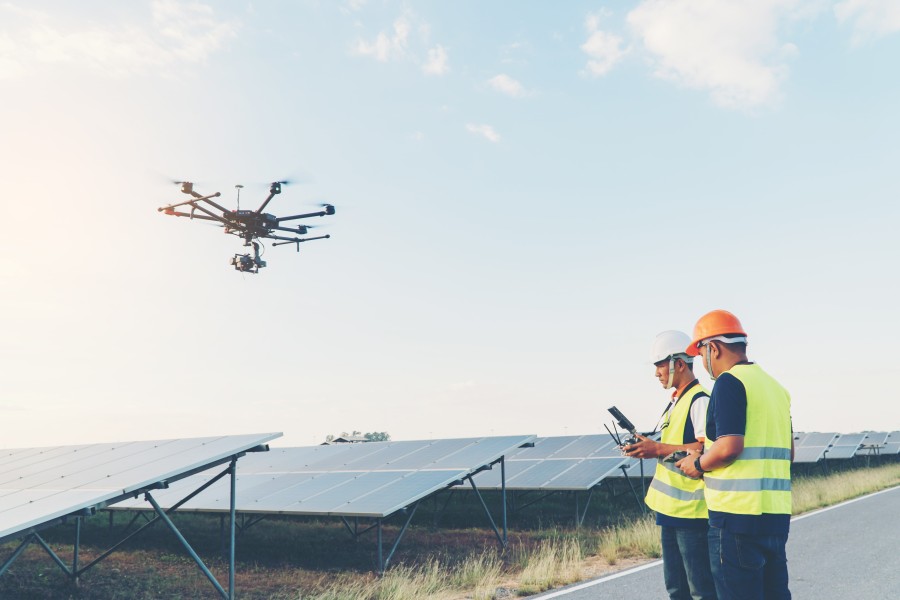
<point x="373" y="479"/>
<point x="559" y="463"/>
<point x="40" y="485"/>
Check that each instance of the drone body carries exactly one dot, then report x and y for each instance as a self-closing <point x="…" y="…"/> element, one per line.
<point x="249" y="225"/>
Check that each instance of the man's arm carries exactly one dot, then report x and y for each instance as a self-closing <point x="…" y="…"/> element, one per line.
<point x="722" y="453"/>
<point x="647" y="448"/>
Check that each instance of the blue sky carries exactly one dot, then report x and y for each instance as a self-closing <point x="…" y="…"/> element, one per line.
<point x="527" y="193"/>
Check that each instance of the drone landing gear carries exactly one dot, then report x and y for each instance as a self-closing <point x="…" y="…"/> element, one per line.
<point x="247" y="264"/>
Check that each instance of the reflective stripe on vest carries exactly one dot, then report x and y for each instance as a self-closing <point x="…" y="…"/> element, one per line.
<point x="671" y="493"/>
<point x="759" y="481"/>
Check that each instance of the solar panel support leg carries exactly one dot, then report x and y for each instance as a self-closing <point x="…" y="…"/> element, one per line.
<point x="643" y="490"/>
<point x="75" y="550"/>
<point x="631" y="485"/>
<point x="9" y="561"/>
<point x="487" y="511"/>
<point x="399" y="537"/>
<point x="233" y="471"/>
<point x="579" y="518"/>
<point x="168" y="522"/>
<point x="380" y="557"/>
<point x="222" y="550"/>
<point x="54" y="556"/>
<point x="439" y="512"/>
<point x="503" y="497"/>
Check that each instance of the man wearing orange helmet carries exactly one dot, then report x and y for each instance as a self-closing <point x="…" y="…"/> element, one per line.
<point x="746" y="464"/>
<point x="678" y="500"/>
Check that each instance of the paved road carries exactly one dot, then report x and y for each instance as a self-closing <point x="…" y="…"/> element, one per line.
<point x="851" y="550"/>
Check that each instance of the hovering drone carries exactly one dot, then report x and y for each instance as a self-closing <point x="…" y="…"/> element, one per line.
<point x="249" y="225"/>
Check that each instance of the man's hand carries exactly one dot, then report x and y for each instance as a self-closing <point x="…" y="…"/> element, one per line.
<point x="686" y="465"/>
<point x="645" y="448"/>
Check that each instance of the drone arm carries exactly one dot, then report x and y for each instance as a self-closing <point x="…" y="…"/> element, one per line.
<point x="176" y="213"/>
<point x="300" y="229"/>
<point x="287" y="240"/>
<point x="321" y="213"/>
<point x="263" y="205"/>
<point x="191" y="202"/>
<point x="208" y="201"/>
<point x="213" y="215"/>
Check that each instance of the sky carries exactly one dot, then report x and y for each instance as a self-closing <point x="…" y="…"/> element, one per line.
<point x="526" y="193"/>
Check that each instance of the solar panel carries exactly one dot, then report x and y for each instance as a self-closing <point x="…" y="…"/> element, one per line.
<point x="873" y="443"/>
<point x="558" y="463"/>
<point x="40" y="485"/>
<point x="845" y="446"/>
<point x="372" y="479"/>
<point x="892" y="444"/>
<point x="811" y="447"/>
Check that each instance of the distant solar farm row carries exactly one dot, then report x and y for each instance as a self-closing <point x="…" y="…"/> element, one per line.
<point x="815" y="447"/>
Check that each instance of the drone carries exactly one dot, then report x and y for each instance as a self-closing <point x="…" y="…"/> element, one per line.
<point x="249" y="225"/>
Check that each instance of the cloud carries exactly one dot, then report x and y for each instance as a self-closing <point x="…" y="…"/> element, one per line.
<point x="179" y="33"/>
<point x="507" y="85"/>
<point x="872" y="19"/>
<point x="604" y="49"/>
<point x="387" y="46"/>
<point x="729" y="47"/>
<point x="485" y="131"/>
<point x="437" y="61"/>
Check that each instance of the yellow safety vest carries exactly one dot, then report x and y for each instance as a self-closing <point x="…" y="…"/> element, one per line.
<point x="671" y="492"/>
<point x="759" y="481"/>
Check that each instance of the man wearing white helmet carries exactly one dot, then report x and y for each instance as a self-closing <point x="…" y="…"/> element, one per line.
<point x="678" y="499"/>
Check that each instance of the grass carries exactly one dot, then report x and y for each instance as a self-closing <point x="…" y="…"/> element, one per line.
<point x="638" y="538"/>
<point x="810" y="493"/>
<point x="554" y="563"/>
<point x="309" y="559"/>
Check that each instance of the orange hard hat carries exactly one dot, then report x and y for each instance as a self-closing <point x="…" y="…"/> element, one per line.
<point x="713" y="324"/>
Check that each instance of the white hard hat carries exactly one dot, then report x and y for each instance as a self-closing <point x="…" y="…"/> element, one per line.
<point x="670" y="344"/>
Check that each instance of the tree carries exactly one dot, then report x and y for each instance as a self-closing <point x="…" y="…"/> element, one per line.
<point x="373" y="436"/>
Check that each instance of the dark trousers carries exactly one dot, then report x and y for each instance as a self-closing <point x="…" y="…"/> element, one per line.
<point x="748" y="567"/>
<point x="686" y="564"/>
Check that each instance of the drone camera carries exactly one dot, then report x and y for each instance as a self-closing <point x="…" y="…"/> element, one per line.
<point x="246" y="264"/>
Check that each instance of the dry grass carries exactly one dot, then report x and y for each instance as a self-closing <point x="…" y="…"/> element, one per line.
<point x="638" y="538"/>
<point x="555" y="563"/>
<point x="810" y="493"/>
<point x="479" y="576"/>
